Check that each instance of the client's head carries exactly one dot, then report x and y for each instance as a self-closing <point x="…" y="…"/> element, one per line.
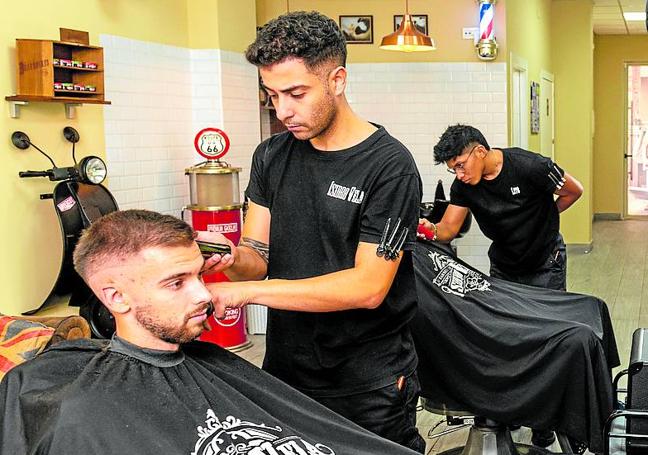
<point x="145" y="267"/>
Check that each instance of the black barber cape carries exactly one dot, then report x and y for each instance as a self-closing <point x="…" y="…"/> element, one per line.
<point x="87" y="397"/>
<point x="513" y="353"/>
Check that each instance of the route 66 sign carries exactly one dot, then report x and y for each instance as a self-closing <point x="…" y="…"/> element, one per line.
<point x="212" y="143"/>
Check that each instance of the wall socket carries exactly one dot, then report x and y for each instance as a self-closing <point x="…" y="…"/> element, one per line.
<point x="470" y="33"/>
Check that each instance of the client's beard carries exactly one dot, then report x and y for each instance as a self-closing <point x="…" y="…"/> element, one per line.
<point x="165" y="331"/>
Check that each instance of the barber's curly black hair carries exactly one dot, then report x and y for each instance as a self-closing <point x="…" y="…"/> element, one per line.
<point x="310" y="36"/>
<point x="455" y="139"/>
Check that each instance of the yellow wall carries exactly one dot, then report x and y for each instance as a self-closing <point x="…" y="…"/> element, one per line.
<point x="572" y="59"/>
<point x="31" y="243"/>
<point x="221" y="24"/>
<point x="528" y="31"/>
<point x="445" y="21"/>
<point x="611" y="53"/>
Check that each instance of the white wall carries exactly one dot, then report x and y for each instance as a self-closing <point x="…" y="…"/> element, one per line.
<point x="416" y="102"/>
<point x="162" y="96"/>
<point x="149" y="124"/>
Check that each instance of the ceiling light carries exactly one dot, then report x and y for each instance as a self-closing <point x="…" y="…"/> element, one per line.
<point x="407" y="38"/>
<point x="634" y="16"/>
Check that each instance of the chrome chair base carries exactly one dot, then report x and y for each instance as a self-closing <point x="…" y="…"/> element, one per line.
<point x="490" y="438"/>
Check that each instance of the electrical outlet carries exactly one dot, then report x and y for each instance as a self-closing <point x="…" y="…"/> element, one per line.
<point x="469" y="33"/>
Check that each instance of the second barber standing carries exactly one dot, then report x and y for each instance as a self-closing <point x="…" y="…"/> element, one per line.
<point x="516" y="197"/>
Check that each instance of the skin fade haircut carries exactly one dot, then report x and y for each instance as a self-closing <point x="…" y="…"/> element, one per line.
<point x="455" y="139"/>
<point x="124" y="234"/>
<point x="310" y="36"/>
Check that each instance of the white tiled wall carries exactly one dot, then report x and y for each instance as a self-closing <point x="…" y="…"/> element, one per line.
<point x="416" y="102"/>
<point x="148" y="126"/>
<point x="162" y="96"/>
<point x="241" y="108"/>
<point x="206" y="89"/>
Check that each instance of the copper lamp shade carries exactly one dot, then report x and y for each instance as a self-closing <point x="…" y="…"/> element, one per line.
<point x="407" y="38"/>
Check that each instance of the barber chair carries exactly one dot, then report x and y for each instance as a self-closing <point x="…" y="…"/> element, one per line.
<point x="433" y="211"/>
<point x="486" y="436"/>
<point x="626" y="430"/>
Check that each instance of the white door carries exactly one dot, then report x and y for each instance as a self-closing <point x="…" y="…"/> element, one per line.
<point x="547" y="115"/>
<point x="519" y="103"/>
<point x="636" y="153"/>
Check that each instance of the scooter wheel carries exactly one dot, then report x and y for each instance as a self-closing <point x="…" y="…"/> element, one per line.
<point x="102" y="323"/>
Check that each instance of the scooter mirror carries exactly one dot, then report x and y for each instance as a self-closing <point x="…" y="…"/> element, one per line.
<point x="20" y="140"/>
<point x="70" y="134"/>
<point x="92" y="170"/>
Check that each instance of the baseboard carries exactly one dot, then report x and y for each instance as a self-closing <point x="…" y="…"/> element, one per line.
<point x="580" y="248"/>
<point x="608" y="216"/>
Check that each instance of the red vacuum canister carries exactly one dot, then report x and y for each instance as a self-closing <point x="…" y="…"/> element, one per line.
<point x="215" y="206"/>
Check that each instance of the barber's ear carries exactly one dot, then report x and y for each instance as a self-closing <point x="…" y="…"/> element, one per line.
<point x="114" y="300"/>
<point x="338" y="79"/>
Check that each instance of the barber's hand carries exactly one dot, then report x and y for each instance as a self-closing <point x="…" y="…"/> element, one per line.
<point x="227" y="294"/>
<point x="217" y="263"/>
<point x="424" y="225"/>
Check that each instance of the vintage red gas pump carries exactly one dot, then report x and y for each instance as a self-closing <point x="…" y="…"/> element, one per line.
<point x="215" y="206"/>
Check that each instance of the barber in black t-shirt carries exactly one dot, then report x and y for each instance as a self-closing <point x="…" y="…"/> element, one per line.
<point x="332" y="217"/>
<point x="510" y="192"/>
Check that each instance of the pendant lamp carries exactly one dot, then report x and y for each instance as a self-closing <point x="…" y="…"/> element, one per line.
<point x="407" y="38"/>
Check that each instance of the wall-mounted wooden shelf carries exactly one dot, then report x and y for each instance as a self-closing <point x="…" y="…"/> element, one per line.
<point x="70" y="102"/>
<point x="37" y="73"/>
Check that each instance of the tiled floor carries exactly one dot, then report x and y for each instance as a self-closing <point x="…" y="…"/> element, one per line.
<point x="615" y="270"/>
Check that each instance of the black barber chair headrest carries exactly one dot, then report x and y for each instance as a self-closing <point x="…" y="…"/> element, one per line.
<point x="433" y="211"/>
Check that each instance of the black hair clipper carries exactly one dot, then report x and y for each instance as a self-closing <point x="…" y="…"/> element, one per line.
<point x="208" y="249"/>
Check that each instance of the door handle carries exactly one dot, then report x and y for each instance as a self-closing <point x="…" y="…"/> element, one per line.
<point x="625" y="155"/>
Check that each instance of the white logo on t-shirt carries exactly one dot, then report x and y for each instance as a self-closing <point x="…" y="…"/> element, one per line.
<point x="343" y="193"/>
<point x="515" y="190"/>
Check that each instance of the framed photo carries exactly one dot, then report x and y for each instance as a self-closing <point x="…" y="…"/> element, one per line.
<point x="535" y="107"/>
<point x="357" y="29"/>
<point x="420" y="22"/>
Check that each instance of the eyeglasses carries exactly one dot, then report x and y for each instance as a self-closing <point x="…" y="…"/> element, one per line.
<point x="460" y="166"/>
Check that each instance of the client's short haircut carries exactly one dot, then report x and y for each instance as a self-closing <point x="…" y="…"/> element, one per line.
<point x="125" y="233"/>
<point x="310" y="36"/>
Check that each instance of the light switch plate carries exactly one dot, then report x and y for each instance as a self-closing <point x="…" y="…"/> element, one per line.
<point x="469" y="33"/>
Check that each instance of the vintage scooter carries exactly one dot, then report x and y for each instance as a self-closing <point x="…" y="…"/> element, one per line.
<point x="79" y="199"/>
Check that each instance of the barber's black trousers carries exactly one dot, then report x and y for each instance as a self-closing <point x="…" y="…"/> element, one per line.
<point x="551" y="275"/>
<point x="389" y="412"/>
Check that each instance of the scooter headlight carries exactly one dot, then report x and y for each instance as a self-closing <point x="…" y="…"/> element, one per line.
<point x="92" y="169"/>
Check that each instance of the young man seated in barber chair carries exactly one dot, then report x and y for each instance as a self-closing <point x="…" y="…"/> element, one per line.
<point x="151" y="389"/>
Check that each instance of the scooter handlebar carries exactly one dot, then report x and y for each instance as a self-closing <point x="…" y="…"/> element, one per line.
<point x="25" y="174"/>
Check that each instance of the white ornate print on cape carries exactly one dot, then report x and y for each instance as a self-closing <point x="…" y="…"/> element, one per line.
<point x="234" y="436"/>
<point x="454" y="278"/>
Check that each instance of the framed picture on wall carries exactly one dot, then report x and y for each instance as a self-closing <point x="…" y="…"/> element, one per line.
<point x="357" y="29"/>
<point x="420" y="22"/>
<point x="535" y="108"/>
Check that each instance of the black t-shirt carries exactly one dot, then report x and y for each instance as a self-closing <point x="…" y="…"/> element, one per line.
<point x="322" y="204"/>
<point x="516" y="210"/>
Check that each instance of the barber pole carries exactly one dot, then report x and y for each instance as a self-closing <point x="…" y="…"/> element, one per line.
<point x="216" y="207"/>
<point x="487" y="45"/>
